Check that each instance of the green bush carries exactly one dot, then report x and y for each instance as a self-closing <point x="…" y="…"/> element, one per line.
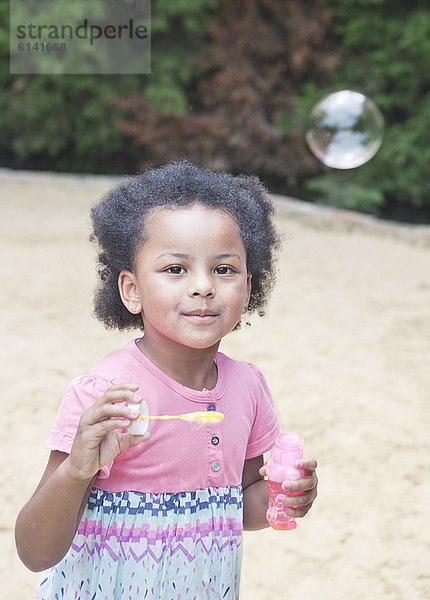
<point x="231" y="87"/>
<point x="385" y="49"/>
<point x="64" y="123"/>
<point x="69" y="122"/>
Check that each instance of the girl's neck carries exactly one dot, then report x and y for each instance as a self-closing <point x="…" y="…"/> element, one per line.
<point x="193" y="368"/>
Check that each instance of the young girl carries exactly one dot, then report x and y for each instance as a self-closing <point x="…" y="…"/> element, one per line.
<point x="183" y="254"/>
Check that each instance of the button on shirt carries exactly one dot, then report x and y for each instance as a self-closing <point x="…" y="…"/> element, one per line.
<point x="215" y="450"/>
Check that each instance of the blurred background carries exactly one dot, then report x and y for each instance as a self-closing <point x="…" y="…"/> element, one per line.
<point x="231" y="87"/>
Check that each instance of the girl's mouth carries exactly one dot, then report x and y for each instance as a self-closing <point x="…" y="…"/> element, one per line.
<point x="201" y="315"/>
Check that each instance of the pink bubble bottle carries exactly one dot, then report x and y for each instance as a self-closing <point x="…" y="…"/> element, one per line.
<point x="281" y="467"/>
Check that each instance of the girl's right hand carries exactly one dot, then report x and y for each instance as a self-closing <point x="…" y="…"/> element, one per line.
<point x="98" y="439"/>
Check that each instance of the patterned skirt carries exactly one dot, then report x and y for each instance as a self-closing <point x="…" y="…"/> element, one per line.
<point x="142" y="546"/>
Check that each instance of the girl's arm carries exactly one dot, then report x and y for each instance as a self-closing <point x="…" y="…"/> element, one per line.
<point x="46" y="525"/>
<point x="255" y="492"/>
<point x="255" y="495"/>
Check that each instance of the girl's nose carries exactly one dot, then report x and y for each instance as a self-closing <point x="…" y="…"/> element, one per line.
<point x="202" y="285"/>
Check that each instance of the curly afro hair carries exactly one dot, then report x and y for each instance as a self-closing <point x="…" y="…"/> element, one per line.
<point x="118" y="228"/>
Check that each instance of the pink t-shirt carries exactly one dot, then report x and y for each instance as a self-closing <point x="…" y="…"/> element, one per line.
<point x="177" y="458"/>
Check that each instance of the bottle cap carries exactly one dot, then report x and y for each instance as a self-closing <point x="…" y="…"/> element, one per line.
<point x="288" y="439"/>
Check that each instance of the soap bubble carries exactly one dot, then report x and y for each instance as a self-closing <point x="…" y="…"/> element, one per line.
<point x="345" y="130"/>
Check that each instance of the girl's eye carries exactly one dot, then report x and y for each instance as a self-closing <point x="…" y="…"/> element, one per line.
<point x="224" y="270"/>
<point x="175" y="270"/>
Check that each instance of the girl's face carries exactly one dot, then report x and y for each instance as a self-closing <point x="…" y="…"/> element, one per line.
<point x="190" y="279"/>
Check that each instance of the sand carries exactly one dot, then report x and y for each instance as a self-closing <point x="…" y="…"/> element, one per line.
<point x="345" y="346"/>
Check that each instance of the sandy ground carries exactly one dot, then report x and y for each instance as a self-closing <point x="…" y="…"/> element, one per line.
<point x="345" y="346"/>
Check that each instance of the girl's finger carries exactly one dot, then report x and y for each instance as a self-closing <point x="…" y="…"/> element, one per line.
<point x="300" y="501"/>
<point x="301" y="485"/>
<point x="111" y="411"/>
<point x="306" y="464"/>
<point x="123" y="386"/>
<point x="101" y="428"/>
<point x="117" y="396"/>
<point x="297" y="513"/>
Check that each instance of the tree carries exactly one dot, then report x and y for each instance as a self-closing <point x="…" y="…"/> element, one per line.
<point x="61" y="122"/>
<point x="228" y="104"/>
<point x="385" y="48"/>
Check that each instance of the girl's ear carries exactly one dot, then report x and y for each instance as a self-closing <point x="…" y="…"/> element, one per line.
<point x="248" y="290"/>
<point x="128" y="291"/>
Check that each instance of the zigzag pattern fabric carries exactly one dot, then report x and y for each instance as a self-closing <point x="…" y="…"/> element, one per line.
<point x="168" y="546"/>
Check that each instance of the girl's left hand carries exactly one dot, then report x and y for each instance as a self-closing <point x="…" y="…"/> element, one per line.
<point x="307" y="488"/>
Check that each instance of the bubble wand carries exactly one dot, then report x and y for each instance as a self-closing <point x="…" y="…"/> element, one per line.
<point x="202" y="417"/>
<point x="140" y="425"/>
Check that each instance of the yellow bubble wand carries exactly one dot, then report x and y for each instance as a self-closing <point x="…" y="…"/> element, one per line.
<point x="195" y="419"/>
<point x="201" y="417"/>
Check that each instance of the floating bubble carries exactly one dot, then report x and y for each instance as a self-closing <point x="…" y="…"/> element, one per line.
<point x="345" y="130"/>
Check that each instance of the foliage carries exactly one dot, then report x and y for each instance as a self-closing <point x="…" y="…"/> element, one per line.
<point x="68" y="122"/>
<point x="60" y="122"/>
<point x="231" y="87"/>
<point x="225" y="105"/>
<point x="387" y="57"/>
<point x="46" y="130"/>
